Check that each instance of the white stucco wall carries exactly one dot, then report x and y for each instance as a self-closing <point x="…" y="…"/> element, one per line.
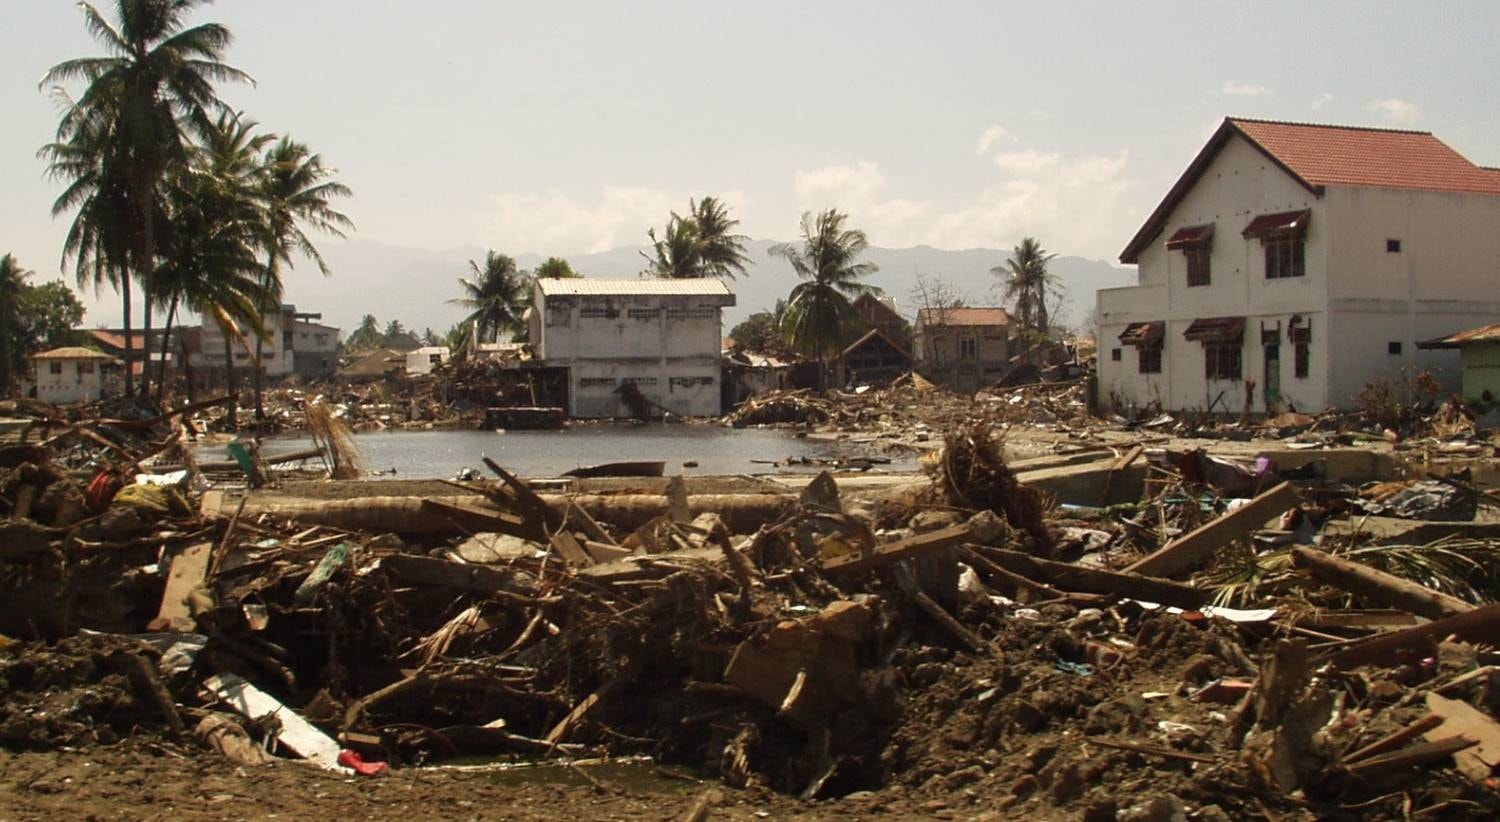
<point x="669" y="345"/>
<point x="78" y="380"/>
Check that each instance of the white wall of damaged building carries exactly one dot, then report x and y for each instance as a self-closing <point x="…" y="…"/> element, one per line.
<point x="1317" y="339"/>
<point x="661" y="335"/>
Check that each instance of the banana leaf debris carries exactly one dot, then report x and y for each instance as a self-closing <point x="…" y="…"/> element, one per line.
<point x="1230" y="645"/>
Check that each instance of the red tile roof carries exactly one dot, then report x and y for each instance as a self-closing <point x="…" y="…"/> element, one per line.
<point x="1382" y="158"/>
<point x="1318" y="156"/>
<point x="963" y="316"/>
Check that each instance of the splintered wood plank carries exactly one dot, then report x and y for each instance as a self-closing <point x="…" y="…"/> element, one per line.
<point x="296" y="733"/>
<point x="1464" y="719"/>
<point x="1195" y="548"/>
<point x="188" y="571"/>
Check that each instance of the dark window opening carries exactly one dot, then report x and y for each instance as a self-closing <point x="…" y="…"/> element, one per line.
<point x="1197" y="265"/>
<point x="1115" y="355"/>
<point x="1285" y="257"/>
<point x="1393" y="348"/>
<point x="1150" y="359"/>
<point x="1393" y="246"/>
<point x="968" y="348"/>
<point x="1221" y="361"/>
<point x="1300" y="353"/>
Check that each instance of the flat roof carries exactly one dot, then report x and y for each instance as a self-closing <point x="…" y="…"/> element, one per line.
<point x="637" y="286"/>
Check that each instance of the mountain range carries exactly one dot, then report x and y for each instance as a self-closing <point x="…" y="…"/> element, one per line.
<point x="414" y="284"/>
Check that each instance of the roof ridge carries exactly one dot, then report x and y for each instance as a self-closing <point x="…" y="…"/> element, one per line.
<point x="1379" y="129"/>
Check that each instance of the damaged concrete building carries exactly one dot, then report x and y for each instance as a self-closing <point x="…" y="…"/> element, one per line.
<point x="661" y="336"/>
<point x="1291" y="265"/>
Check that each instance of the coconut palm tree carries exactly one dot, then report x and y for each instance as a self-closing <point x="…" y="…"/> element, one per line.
<point x="676" y="255"/>
<point x="702" y="244"/>
<point x="819" y="309"/>
<point x="721" y="252"/>
<point x="1028" y="285"/>
<point x="297" y="191"/>
<point x="12" y="282"/>
<point x="366" y="335"/>
<point x="157" y="78"/>
<point x="496" y="293"/>
<point x="98" y="241"/>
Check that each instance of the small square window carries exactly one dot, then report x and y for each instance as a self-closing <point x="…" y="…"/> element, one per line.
<point x="1393" y="348"/>
<point x="1393" y="246"/>
<point x="1114" y="354"/>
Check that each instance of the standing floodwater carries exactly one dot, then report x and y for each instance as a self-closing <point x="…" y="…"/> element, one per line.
<point x="440" y="454"/>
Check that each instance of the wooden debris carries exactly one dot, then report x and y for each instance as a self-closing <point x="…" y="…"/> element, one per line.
<point x="1377" y="586"/>
<point x="1153" y="750"/>
<point x="228" y="738"/>
<point x="889" y="552"/>
<point x="1194" y="549"/>
<point x="336" y="556"/>
<point x="1081" y="578"/>
<point x="187" y="575"/>
<point x="408" y="569"/>
<point x="1479" y="625"/>
<point x="1477" y="763"/>
<point x="1385" y="765"/>
<point x="1395" y="739"/>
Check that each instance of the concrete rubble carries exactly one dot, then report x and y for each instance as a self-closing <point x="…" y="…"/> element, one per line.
<point x="1127" y="619"/>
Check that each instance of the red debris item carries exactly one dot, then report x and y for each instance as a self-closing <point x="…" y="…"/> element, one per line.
<point x="350" y="759"/>
<point x="102" y="488"/>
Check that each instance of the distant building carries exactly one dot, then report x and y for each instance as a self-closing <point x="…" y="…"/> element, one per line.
<point x="1291" y="265"/>
<point x="293" y="344"/>
<point x="963" y="348"/>
<point x="1479" y="361"/>
<point x="660" y="335"/>
<point x="74" y="374"/>
<point x="879" y="312"/>
<point x="424" y="359"/>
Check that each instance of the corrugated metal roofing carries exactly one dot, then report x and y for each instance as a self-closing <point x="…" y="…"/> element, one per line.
<point x="1482" y="334"/>
<point x="640" y="286"/>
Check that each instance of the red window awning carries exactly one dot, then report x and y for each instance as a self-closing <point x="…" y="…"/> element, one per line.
<point x="1193" y="236"/>
<point x="1216" y="330"/>
<point x="1286" y="222"/>
<point x="1146" y="334"/>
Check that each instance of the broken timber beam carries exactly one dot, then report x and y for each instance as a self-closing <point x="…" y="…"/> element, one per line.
<point x="1195" y="548"/>
<point x="1079" y="578"/>
<point x="408" y="569"/>
<point x="1426" y="753"/>
<point x="1377" y="586"/>
<point x="1478" y="625"/>
<point x="889" y="552"/>
<point x="1470" y="722"/>
<point x="188" y="572"/>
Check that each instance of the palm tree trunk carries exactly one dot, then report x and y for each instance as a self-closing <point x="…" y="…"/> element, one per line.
<point x="229" y="387"/>
<point x="5" y="320"/>
<point x="257" y="377"/>
<point x="148" y="279"/>
<point x="166" y="346"/>
<point x="187" y="368"/>
<point x="129" y="343"/>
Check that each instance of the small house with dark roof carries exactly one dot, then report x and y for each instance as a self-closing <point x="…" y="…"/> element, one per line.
<point x="1292" y="264"/>
<point x="873" y="359"/>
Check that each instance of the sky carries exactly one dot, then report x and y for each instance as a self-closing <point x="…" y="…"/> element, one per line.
<point x="572" y="127"/>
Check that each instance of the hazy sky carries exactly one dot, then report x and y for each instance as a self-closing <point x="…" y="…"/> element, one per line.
<point x="571" y="127"/>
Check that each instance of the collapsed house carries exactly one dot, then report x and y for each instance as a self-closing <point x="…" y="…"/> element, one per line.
<point x="1293" y="264"/>
<point x="655" y="338"/>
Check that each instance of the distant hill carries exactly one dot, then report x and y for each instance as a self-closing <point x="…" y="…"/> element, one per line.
<point x="413" y="284"/>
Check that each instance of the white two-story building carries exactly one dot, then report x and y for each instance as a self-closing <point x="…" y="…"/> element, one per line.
<point x="661" y="335"/>
<point x="1291" y="265"/>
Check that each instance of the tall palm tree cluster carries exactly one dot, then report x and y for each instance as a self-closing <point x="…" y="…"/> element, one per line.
<point x="701" y="244"/>
<point x="1028" y="287"/>
<point x="171" y="190"/>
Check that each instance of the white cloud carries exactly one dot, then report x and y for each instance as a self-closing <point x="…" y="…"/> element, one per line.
<point x="1397" y="111"/>
<point x="554" y="223"/>
<point x="1237" y="89"/>
<point x="1076" y="204"/>
<point x="992" y="136"/>
<point x="1029" y="161"/>
<point x="1324" y="99"/>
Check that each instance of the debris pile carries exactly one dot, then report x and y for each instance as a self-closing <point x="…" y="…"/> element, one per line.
<point x="966" y="643"/>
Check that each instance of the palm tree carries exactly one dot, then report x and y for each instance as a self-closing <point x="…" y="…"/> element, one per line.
<point x="497" y="294"/>
<point x="297" y="190"/>
<point x="675" y="255"/>
<point x="1027" y="287"/>
<point x="367" y="335"/>
<point x="158" y="76"/>
<point x="12" y="282"/>
<point x="818" y="309"/>
<point x="721" y="253"/>
<point x="698" y="245"/>
<point x="99" y="240"/>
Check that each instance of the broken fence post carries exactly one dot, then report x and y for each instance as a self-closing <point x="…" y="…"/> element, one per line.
<point x="1194" y="549"/>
